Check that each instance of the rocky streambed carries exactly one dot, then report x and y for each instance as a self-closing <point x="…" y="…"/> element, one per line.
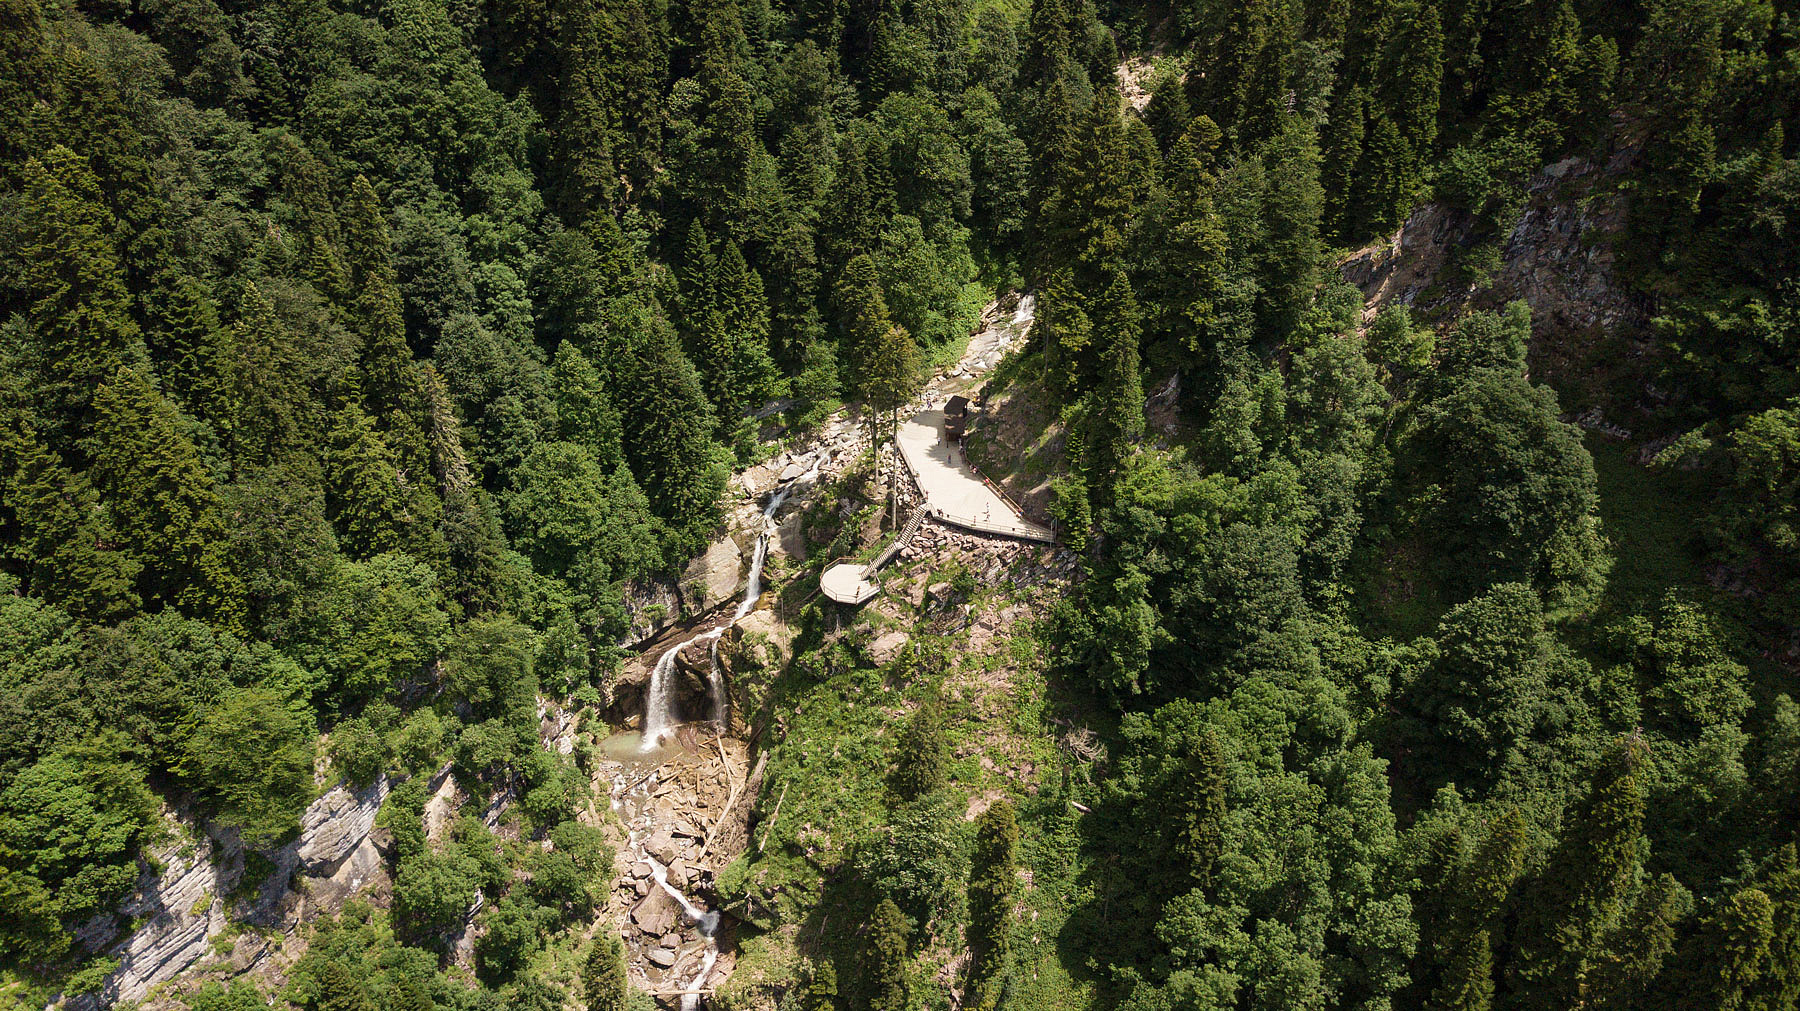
<point x="685" y="809"/>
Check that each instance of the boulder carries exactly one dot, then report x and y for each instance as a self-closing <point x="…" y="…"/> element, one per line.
<point x="661" y="845"/>
<point x="656" y="914"/>
<point x="715" y="574"/>
<point x="661" y="957"/>
<point x="790" y="537"/>
<point x="887" y="646"/>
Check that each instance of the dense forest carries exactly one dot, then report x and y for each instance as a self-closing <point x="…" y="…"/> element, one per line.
<point x="357" y="357"/>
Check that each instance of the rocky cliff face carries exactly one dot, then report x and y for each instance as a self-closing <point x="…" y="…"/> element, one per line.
<point x="198" y="883"/>
<point x="1558" y="257"/>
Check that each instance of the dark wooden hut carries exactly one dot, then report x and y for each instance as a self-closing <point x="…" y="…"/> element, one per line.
<point x="956" y="418"/>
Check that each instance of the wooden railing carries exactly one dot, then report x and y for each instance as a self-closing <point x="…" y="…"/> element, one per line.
<point x="906" y="533"/>
<point x="1024" y="530"/>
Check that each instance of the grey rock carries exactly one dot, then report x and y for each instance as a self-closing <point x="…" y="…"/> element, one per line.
<point x="716" y="573"/>
<point x="656" y="913"/>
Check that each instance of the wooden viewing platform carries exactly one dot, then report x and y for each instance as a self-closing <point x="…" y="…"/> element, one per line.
<point x="954" y="494"/>
<point x="847" y="583"/>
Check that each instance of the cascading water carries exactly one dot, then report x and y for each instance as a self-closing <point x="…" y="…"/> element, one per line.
<point x="659" y="717"/>
<point x="658" y="710"/>
<point x="706" y="920"/>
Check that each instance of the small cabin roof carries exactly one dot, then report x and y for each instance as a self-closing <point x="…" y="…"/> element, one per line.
<point x="957" y="405"/>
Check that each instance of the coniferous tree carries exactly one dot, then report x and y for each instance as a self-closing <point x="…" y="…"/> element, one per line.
<point x="1117" y="413"/>
<point x="1341" y="152"/>
<point x="585" y="414"/>
<point x="92" y="117"/>
<point x="1468" y="976"/>
<point x="668" y="426"/>
<point x="306" y="190"/>
<point x="889" y="371"/>
<point x="992" y="882"/>
<point x="1725" y="959"/>
<point x="581" y="157"/>
<point x="187" y="348"/>
<point x="743" y="309"/>
<point x="1054" y="141"/>
<point x="1192" y="297"/>
<point x="25" y="78"/>
<point x="821" y="988"/>
<point x="158" y="490"/>
<point x="880" y="358"/>
<point x="363" y="499"/>
<point x="1067" y="335"/>
<point x="1637" y="948"/>
<point x="1293" y="202"/>
<point x="921" y="761"/>
<point x="1414" y="82"/>
<point x="1479" y="892"/>
<point x="849" y="225"/>
<point x="1049" y="45"/>
<point x="72" y="285"/>
<point x="412" y="993"/>
<point x="1167" y="113"/>
<point x="714" y="143"/>
<point x="1200" y="831"/>
<point x="64" y="543"/>
<point x="1583" y="884"/>
<point x="884" y="972"/>
<point x="795" y="326"/>
<point x="1778" y="978"/>
<point x="258" y="411"/>
<point x="604" y="977"/>
<point x="339" y="990"/>
<point x="369" y="262"/>
<point x="710" y="342"/>
<point x="1097" y="192"/>
<point x="1384" y="181"/>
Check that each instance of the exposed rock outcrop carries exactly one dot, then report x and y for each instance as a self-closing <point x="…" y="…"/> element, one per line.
<point x="716" y="575"/>
<point x="194" y="886"/>
<point x="1558" y="256"/>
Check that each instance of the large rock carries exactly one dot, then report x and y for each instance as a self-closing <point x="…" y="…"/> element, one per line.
<point x="715" y="575"/>
<point x="887" y="646"/>
<point x="656" y="914"/>
<point x="790" y="537"/>
<point x="336" y="824"/>
<point x="180" y="909"/>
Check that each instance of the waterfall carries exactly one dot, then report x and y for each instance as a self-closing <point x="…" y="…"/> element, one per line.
<point x="1023" y="313"/>
<point x="658" y="716"/>
<point x="657" y="709"/>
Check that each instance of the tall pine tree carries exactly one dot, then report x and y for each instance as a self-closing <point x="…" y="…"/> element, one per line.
<point x="1583" y="884"/>
<point x="992" y="883"/>
<point x="72" y="287"/>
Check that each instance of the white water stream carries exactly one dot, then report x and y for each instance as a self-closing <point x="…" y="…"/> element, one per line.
<point x="658" y="710"/>
<point x="659" y="722"/>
